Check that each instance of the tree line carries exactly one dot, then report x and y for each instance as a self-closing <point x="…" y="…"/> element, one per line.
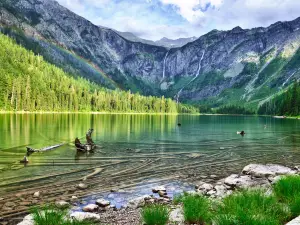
<point x="287" y="103"/>
<point x="29" y="83"/>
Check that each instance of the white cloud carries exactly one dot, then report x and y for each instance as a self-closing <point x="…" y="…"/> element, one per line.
<point x="154" y="19"/>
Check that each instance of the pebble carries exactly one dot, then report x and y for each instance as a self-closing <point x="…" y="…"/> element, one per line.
<point x="36" y="194"/>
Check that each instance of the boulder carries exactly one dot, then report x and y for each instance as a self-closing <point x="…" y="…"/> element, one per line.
<point x="158" y="188"/>
<point x="206" y="187"/>
<point x="90" y="208"/>
<point x="211" y="193"/>
<point x="259" y="170"/>
<point x="236" y="181"/>
<point x="102" y="202"/>
<point x="81" y="216"/>
<point x="221" y="191"/>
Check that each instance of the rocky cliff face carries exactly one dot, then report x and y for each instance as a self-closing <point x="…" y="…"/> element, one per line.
<point x="220" y="67"/>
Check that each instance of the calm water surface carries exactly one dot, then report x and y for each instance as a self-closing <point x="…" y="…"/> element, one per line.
<point x="139" y="150"/>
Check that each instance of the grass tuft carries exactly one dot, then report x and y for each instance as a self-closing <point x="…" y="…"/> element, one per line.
<point x="51" y="215"/>
<point x="251" y="207"/>
<point x="155" y="214"/>
<point x="196" y="209"/>
<point x="287" y="190"/>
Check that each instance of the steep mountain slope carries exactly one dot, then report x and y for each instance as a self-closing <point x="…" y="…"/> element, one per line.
<point x="28" y="83"/>
<point x="220" y="67"/>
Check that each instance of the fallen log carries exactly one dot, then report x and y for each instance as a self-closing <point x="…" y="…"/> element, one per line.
<point x="49" y="148"/>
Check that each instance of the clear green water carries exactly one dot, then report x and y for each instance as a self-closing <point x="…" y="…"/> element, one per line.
<point x="140" y="149"/>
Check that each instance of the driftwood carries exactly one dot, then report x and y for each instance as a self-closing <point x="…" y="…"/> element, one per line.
<point x="49" y="148"/>
<point x="89" y="146"/>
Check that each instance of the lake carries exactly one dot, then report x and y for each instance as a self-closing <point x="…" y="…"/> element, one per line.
<point x="138" y="151"/>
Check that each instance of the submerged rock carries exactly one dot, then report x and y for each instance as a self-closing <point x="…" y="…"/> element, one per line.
<point x="82" y="186"/>
<point x="36" y="194"/>
<point x="259" y="170"/>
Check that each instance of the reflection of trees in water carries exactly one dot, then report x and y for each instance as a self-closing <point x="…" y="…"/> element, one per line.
<point x="36" y="129"/>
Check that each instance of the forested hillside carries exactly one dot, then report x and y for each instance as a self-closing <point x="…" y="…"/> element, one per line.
<point x="28" y="83"/>
<point x="287" y="103"/>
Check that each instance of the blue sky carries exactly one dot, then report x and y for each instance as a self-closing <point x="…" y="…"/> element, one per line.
<point x="154" y="19"/>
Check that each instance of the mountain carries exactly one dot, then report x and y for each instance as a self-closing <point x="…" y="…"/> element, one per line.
<point x="169" y="43"/>
<point x="131" y="37"/>
<point x="28" y="83"/>
<point x="237" y="66"/>
<point x="164" y="42"/>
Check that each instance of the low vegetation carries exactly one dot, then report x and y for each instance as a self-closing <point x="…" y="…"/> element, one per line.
<point x="50" y="215"/>
<point x="155" y="215"/>
<point x="196" y="209"/>
<point x="250" y="207"/>
<point x="243" y="207"/>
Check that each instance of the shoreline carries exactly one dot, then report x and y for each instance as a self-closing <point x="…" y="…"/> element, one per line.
<point x="100" y="113"/>
<point x="251" y="176"/>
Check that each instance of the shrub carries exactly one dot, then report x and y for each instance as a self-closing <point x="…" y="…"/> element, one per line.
<point x="155" y="214"/>
<point x="287" y="190"/>
<point x="196" y="209"/>
<point x="250" y="207"/>
<point x="50" y="215"/>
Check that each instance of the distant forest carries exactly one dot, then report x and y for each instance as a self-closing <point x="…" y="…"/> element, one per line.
<point x="28" y="83"/>
<point x="287" y="103"/>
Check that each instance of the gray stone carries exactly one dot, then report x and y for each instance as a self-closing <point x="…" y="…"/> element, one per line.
<point x="90" y="208"/>
<point x="62" y="204"/>
<point x="102" y="202"/>
<point x="28" y="220"/>
<point x="221" y="191"/>
<point x="158" y="188"/>
<point x="259" y="170"/>
<point x="206" y="187"/>
<point x="236" y="181"/>
<point x="81" y="216"/>
<point x="138" y="202"/>
<point x="36" y="194"/>
<point x="82" y="186"/>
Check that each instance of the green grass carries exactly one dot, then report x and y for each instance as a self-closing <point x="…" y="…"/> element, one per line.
<point x="251" y="207"/>
<point x="287" y="190"/>
<point x="155" y="214"/>
<point x="196" y="209"/>
<point x="50" y="215"/>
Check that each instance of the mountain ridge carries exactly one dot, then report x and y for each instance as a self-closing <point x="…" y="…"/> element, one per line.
<point x="218" y="68"/>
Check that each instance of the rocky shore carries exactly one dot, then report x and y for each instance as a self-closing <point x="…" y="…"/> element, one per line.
<point x="252" y="176"/>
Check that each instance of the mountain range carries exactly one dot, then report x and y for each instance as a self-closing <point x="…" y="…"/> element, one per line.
<point x="164" y="42"/>
<point x="239" y="66"/>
